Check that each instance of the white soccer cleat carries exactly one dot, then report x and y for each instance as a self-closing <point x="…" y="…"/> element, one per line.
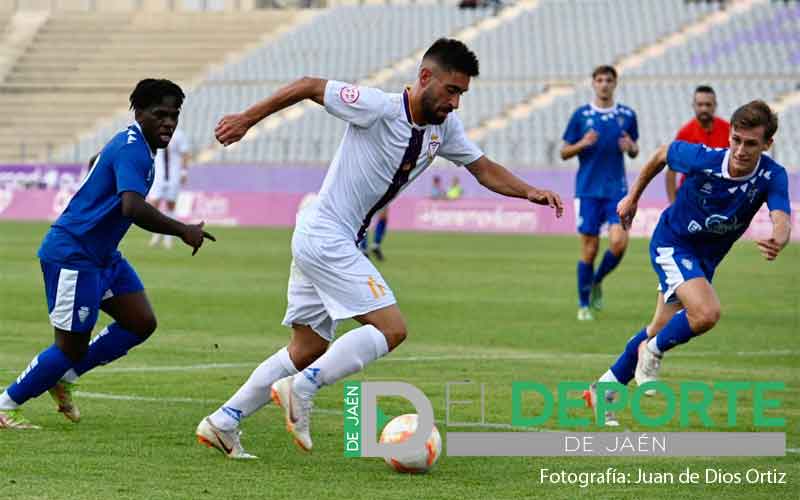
<point x="62" y="395"/>
<point x="13" y="419"/>
<point x="585" y="314"/>
<point x="590" y="396"/>
<point x="297" y="410"/>
<point x="227" y="442"/>
<point x="647" y="367"/>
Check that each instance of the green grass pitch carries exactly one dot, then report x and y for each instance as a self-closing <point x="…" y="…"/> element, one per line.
<point x="480" y="308"/>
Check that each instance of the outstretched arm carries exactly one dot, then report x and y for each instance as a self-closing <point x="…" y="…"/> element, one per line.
<point x="233" y="127"/>
<point x="498" y="179"/>
<point x="148" y="218"/>
<point x="781" y="232"/>
<point x="626" y="208"/>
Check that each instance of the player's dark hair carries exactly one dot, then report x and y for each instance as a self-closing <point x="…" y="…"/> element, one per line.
<point x="605" y="69"/>
<point x="152" y="91"/>
<point x="705" y="89"/>
<point x="755" y="114"/>
<point x="452" y="55"/>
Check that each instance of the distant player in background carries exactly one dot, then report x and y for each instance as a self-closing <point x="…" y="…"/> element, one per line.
<point x="724" y="189"/>
<point x="437" y="190"/>
<point x="380" y="234"/>
<point x="84" y="272"/>
<point x="170" y="164"/>
<point x="705" y="128"/>
<point x="600" y="134"/>
<point x="455" y="192"/>
<point x="389" y="141"/>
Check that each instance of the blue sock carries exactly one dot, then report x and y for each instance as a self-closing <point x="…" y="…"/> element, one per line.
<point x="608" y="264"/>
<point x="110" y="344"/>
<point x="380" y="232"/>
<point x="42" y="373"/>
<point x="625" y="366"/>
<point x="585" y="274"/>
<point x="676" y="332"/>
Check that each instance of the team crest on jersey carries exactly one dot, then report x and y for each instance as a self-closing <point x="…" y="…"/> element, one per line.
<point x="83" y="313"/>
<point x="349" y="95"/>
<point x="694" y="227"/>
<point x="688" y="264"/>
<point x="621" y="121"/>
<point x="751" y="195"/>
<point x="433" y="146"/>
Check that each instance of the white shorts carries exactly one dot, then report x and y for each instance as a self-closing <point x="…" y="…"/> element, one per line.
<point x="331" y="280"/>
<point x="165" y="190"/>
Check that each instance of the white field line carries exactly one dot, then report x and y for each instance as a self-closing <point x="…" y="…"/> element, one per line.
<point x="553" y="356"/>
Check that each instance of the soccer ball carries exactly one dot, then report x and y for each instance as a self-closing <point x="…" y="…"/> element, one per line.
<point x="400" y="429"/>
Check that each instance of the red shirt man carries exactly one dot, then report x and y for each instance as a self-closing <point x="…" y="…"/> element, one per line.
<point x="704" y="128"/>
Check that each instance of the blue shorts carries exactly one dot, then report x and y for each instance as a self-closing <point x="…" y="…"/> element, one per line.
<point x="74" y="297"/>
<point x="675" y="264"/>
<point x="592" y="213"/>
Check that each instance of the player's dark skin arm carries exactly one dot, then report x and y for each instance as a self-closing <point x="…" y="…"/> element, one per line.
<point x="233" y="127"/>
<point x="148" y="218"/>
<point x="498" y="179"/>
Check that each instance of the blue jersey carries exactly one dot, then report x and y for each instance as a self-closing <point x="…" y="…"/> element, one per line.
<point x="712" y="209"/>
<point x="601" y="171"/>
<point x="87" y="233"/>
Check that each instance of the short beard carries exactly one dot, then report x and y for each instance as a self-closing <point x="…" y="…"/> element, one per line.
<point x="429" y="113"/>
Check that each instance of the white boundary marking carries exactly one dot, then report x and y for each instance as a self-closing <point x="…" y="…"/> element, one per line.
<point x="446" y="357"/>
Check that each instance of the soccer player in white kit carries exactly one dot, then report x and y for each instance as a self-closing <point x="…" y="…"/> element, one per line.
<point x="389" y="141"/>
<point x="170" y="174"/>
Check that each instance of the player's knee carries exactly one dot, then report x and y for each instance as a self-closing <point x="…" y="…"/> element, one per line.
<point x="74" y="349"/>
<point x="618" y="248"/>
<point x="145" y="326"/>
<point x="395" y="334"/>
<point x="303" y="355"/>
<point x="704" y="318"/>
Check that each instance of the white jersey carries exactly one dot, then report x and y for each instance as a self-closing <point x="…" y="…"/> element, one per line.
<point x="381" y="152"/>
<point x="169" y="161"/>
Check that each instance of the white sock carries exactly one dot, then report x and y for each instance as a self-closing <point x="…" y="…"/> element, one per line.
<point x="254" y="394"/>
<point x="70" y="376"/>
<point x="653" y="345"/>
<point x="608" y="376"/>
<point x="348" y="355"/>
<point x="6" y="403"/>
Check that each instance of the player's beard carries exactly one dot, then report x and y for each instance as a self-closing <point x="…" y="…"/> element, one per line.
<point x="429" y="110"/>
